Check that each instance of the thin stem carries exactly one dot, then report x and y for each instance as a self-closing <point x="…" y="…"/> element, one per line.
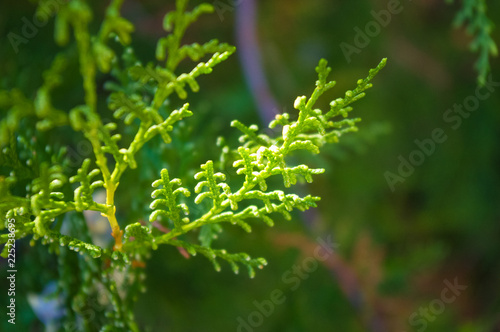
<point x="88" y="72"/>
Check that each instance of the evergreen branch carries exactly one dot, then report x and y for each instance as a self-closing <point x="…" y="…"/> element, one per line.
<point x="73" y="244"/>
<point x="12" y="206"/>
<point x="177" y="22"/>
<point x="474" y="12"/>
<point x="211" y="182"/>
<point x="232" y="259"/>
<point x="146" y="132"/>
<point x="259" y="162"/>
<point x="83" y="194"/>
<point x="250" y="134"/>
<point x="19" y="107"/>
<point x="196" y="51"/>
<point x="43" y="107"/>
<point x="46" y="203"/>
<point x="140" y="235"/>
<point x="132" y="107"/>
<point x="78" y="15"/>
<point x="167" y="125"/>
<point x="170" y="201"/>
<point x="150" y="73"/>
<point x="178" y="84"/>
<point x="142" y="99"/>
<point x="110" y="141"/>
<point x="113" y="25"/>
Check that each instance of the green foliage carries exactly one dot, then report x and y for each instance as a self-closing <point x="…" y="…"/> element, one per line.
<point x="263" y="157"/>
<point x="170" y="200"/>
<point x="232" y="259"/>
<point x="141" y="96"/>
<point x="474" y="14"/>
<point x="83" y="194"/>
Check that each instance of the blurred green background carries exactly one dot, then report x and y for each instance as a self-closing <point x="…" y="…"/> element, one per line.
<point x="395" y="248"/>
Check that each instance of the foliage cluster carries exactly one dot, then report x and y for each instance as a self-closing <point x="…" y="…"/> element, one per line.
<point x="49" y="199"/>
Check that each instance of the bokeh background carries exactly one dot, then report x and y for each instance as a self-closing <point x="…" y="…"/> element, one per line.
<point x="394" y="248"/>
